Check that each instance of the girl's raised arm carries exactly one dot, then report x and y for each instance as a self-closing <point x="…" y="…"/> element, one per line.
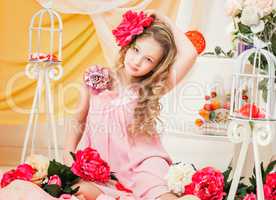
<point x="186" y="52"/>
<point x="185" y="58"/>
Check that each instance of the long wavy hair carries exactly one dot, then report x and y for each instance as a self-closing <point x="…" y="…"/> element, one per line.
<point x="152" y="85"/>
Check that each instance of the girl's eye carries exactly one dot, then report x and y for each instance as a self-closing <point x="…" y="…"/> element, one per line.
<point x="149" y="60"/>
<point x="135" y="49"/>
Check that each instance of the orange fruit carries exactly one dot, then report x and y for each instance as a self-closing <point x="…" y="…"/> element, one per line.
<point x="198" y="122"/>
<point x="215" y="104"/>
<point x="204" y="113"/>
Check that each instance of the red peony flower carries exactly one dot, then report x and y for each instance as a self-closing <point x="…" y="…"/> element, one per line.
<point x="119" y="186"/>
<point x="250" y="196"/>
<point x="22" y="172"/>
<point x="207" y="184"/>
<point x="54" y="180"/>
<point x="270" y="187"/>
<point x="245" y="111"/>
<point x="98" y="79"/>
<point x="89" y="166"/>
<point x="133" y="23"/>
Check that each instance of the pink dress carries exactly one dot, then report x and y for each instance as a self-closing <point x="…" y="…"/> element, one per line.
<point x="140" y="164"/>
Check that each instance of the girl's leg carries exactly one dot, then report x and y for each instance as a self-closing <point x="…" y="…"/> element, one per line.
<point x="88" y="190"/>
<point x="19" y="190"/>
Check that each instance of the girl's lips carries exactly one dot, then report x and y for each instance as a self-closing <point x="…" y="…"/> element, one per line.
<point x="133" y="68"/>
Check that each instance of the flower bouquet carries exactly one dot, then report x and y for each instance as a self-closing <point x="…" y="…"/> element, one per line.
<point x="57" y="179"/>
<point x="209" y="183"/>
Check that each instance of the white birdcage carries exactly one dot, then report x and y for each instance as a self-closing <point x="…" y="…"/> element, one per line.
<point x="253" y="108"/>
<point x="259" y="84"/>
<point x="43" y="66"/>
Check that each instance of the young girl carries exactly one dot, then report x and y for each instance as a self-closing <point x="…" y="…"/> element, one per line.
<point x="120" y="110"/>
<point x="121" y="120"/>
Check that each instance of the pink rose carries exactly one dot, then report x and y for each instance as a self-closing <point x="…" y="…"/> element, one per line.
<point x="65" y="196"/>
<point x="54" y="180"/>
<point x="250" y="196"/>
<point x="133" y="23"/>
<point x="270" y="186"/>
<point x="207" y="184"/>
<point x="89" y="166"/>
<point x="22" y="172"/>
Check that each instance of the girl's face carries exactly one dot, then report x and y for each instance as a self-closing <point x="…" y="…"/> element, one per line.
<point x="142" y="56"/>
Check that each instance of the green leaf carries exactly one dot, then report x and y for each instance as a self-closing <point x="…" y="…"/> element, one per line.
<point x="64" y="172"/>
<point x="244" y="29"/>
<point x="273" y="43"/>
<point x="113" y="177"/>
<point x="73" y="155"/>
<point x="270" y="166"/>
<point x="264" y="94"/>
<point x="53" y="190"/>
<point x="75" y="190"/>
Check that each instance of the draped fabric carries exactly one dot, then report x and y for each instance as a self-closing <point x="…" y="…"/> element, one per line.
<point x="85" y="42"/>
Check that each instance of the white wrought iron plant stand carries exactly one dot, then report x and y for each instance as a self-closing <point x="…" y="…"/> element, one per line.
<point x="247" y="130"/>
<point x="44" y="68"/>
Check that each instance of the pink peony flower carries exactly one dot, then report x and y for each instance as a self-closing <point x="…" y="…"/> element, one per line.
<point x="54" y="180"/>
<point x="22" y="172"/>
<point x="97" y="79"/>
<point x="270" y="186"/>
<point x="234" y="7"/>
<point x="133" y="23"/>
<point x="207" y="183"/>
<point x="250" y="196"/>
<point x="89" y="166"/>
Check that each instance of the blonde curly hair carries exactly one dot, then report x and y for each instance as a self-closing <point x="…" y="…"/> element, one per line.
<point x="152" y="85"/>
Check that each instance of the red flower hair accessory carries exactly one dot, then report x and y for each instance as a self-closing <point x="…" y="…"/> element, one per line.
<point x="133" y="24"/>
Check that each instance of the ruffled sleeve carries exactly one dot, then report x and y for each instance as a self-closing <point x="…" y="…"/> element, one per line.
<point x="97" y="79"/>
<point x="150" y="164"/>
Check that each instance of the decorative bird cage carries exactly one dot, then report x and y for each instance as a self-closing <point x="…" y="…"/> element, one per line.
<point x="252" y="108"/>
<point x="44" y="65"/>
<point x="253" y="88"/>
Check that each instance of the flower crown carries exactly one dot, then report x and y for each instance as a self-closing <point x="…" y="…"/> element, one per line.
<point x="133" y="24"/>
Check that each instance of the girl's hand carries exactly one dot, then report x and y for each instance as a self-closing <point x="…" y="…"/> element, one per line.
<point x="88" y="190"/>
<point x="159" y="16"/>
<point x="188" y="197"/>
<point x="67" y="159"/>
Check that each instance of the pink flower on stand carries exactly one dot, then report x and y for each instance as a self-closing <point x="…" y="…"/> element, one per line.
<point x="207" y="184"/>
<point x="250" y="196"/>
<point x="54" y="180"/>
<point x="90" y="167"/>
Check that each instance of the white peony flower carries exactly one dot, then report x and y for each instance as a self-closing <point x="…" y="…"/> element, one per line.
<point x="40" y="163"/>
<point x="250" y="16"/>
<point x="258" y="28"/>
<point x="264" y="7"/>
<point x="234" y="7"/>
<point x="179" y="176"/>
